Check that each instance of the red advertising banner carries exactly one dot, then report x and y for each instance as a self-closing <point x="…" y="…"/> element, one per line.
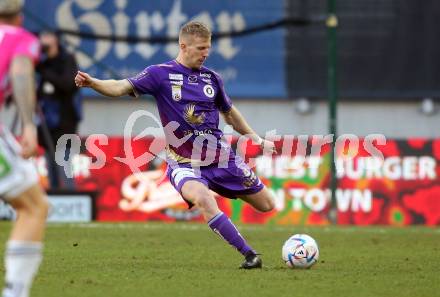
<point x="393" y="184"/>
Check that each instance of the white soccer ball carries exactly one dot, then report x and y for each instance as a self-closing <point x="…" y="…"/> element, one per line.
<point x="300" y="251"/>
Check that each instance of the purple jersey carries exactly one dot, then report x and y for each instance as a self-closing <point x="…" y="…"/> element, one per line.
<point x="189" y="100"/>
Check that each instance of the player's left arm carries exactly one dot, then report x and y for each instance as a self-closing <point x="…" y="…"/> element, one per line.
<point x="234" y="118"/>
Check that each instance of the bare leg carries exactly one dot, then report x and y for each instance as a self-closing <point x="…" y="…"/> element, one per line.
<point x="262" y="201"/>
<point x="24" y="249"/>
<point x="199" y="194"/>
<point x="31" y="208"/>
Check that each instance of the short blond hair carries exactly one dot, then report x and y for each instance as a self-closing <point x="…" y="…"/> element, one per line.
<point x="194" y="28"/>
<point x="9" y="8"/>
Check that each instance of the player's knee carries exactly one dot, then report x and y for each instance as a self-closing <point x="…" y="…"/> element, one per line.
<point x="267" y="205"/>
<point x="203" y="198"/>
<point x="43" y="207"/>
<point x="39" y="204"/>
<point x="36" y="206"/>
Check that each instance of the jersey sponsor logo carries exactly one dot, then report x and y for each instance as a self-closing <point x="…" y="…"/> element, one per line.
<point x="205" y="75"/>
<point x="198" y="132"/>
<point x="192" y="79"/>
<point x="176" y="82"/>
<point x="176" y="92"/>
<point x="175" y="76"/>
<point x="207" y="80"/>
<point x="209" y="91"/>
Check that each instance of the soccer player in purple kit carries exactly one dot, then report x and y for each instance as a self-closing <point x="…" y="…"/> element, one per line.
<point x="193" y="96"/>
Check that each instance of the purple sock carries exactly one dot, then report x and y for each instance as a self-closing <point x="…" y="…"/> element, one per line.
<point x="223" y="226"/>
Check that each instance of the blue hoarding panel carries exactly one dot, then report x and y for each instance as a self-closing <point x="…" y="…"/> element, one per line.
<point x="252" y="66"/>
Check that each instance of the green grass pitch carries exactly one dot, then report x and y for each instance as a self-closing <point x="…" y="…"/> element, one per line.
<point x="186" y="259"/>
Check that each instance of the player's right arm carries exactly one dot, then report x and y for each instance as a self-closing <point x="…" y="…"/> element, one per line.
<point x="110" y="87"/>
<point x="21" y="73"/>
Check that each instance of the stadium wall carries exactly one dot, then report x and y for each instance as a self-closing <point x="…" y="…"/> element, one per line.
<point x="392" y="119"/>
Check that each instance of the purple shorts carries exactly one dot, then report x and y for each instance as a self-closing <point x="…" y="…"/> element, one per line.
<point x="234" y="181"/>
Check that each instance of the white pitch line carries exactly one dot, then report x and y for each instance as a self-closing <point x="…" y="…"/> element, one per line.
<point x="250" y="228"/>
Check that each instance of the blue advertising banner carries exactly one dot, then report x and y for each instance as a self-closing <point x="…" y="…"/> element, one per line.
<point x="252" y="66"/>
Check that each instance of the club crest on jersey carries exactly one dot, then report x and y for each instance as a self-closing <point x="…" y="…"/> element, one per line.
<point x="176" y="92"/>
<point x="209" y="91"/>
<point x="191" y="117"/>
